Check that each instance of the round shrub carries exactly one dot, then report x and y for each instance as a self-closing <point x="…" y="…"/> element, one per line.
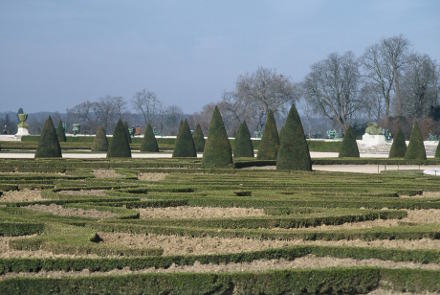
<point x="416" y="148"/>
<point x="48" y="146"/>
<point x="61" y="133"/>
<point x="293" y="153"/>
<point x="270" y="142"/>
<point x="149" y="142"/>
<point x="398" y="148"/>
<point x="349" y="147"/>
<point x="100" y="143"/>
<point x="217" y="153"/>
<point x="184" y="146"/>
<point x="199" y="139"/>
<point x="243" y="144"/>
<point x="119" y="145"/>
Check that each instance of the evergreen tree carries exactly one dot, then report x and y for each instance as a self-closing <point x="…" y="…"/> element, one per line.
<point x="349" y="147"/>
<point x="48" y="146"/>
<point x="119" y="145"/>
<point x="398" y="148"/>
<point x="100" y="143"/>
<point x="437" y="151"/>
<point x="270" y="142"/>
<point x="149" y="142"/>
<point x="416" y="147"/>
<point x="243" y="144"/>
<point x="199" y="139"/>
<point x="217" y="153"/>
<point x="184" y="146"/>
<point x="61" y="133"/>
<point x="293" y="153"/>
<point x="127" y="132"/>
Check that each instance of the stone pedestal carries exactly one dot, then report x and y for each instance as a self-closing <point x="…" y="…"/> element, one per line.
<point x="22" y="131"/>
<point x="369" y="140"/>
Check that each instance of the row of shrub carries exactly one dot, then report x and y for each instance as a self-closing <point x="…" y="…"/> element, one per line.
<point x="20" y="228"/>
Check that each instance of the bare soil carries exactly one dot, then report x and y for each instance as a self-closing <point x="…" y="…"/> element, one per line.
<point x="185" y="212"/>
<point x="61" y="211"/>
<point x="93" y="192"/>
<point x="106" y="173"/>
<point x="152" y="176"/>
<point x="25" y="195"/>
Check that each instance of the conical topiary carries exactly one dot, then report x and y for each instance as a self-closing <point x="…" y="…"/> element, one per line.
<point x="437" y="151"/>
<point x="149" y="142"/>
<point x="270" y="142"/>
<point x="127" y="132"/>
<point x="243" y="144"/>
<point x="398" y="148"/>
<point x="100" y="143"/>
<point x="119" y="146"/>
<point x="48" y="146"/>
<point x="416" y="148"/>
<point x="61" y="133"/>
<point x="184" y="146"/>
<point x="199" y="139"/>
<point x="217" y="153"/>
<point x="293" y="153"/>
<point x="349" y="147"/>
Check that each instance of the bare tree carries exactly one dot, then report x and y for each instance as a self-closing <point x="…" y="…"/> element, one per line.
<point x="420" y="86"/>
<point x="147" y="104"/>
<point x="332" y="87"/>
<point x="171" y="118"/>
<point x="108" y="110"/>
<point x="372" y="101"/>
<point x="83" y="114"/>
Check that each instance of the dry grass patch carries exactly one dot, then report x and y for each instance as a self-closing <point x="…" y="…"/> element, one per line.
<point x="106" y="173"/>
<point x="61" y="211"/>
<point x="186" y="212"/>
<point x="423" y="216"/>
<point x="92" y="192"/>
<point x="152" y="176"/>
<point x="394" y="244"/>
<point x="25" y="195"/>
<point x="424" y="195"/>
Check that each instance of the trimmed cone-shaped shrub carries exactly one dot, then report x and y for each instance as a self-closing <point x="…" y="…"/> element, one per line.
<point x="127" y="133"/>
<point x="100" y="144"/>
<point x="48" y="146"/>
<point x="217" y="153"/>
<point x="184" y="142"/>
<point x="349" y="147"/>
<point x="119" y="146"/>
<point x="61" y="133"/>
<point x="437" y="151"/>
<point x="416" y="148"/>
<point x="243" y="144"/>
<point x="149" y="142"/>
<point x="293" y="153"/>
<point x="199" y="139"/>
<point x="270" y="142"/>
<point x="398" y="148"/>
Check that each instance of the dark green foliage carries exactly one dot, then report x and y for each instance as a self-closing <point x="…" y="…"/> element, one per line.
<point x="349" y="146"/>
<point x="100" y="143"/>
<point x="293" y="153"/>
<point x="270" y="142"/>
<point x="127" y="132"/>
<point x="20" y="229"/>
<point x="243" y="144"/>
<point x="149" y="142"/>
<point x="416" y="148"/>
<point x="199" y="139"/>
<point x="398" y="148"/>
<point x="184" y="142"/>
<point x="119" y="145"/>
<point x="61" y="133"/>
<point x="217" y="153"/>
<point x="437" y="151"/>
<point x="48" y="146"/>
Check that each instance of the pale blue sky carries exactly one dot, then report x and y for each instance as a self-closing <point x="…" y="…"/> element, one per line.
<point x="54" y="54"/>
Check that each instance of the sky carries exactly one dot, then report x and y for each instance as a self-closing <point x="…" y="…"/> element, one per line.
<point x="55" y="54"/>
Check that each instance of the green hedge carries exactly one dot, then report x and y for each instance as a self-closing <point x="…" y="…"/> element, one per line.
<point x="20" y="229"/>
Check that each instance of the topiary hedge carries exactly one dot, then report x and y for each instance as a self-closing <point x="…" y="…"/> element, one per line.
<point x="100" y="143"/>
<point x="243" y="144"/>
<point x="149" y="142"/>
<point x="416" y="148"/>
<point x="217" y="153"/>
<point x="199" y="139"/>
<point x="398" y="148"/>
<point x="119" y="145"/>
<point x="184" y="142"/>
<point x="61" y="133"/>
<point x="48" y="146"/>
<point x="349" y="146"/>
<point x="270" y="142"/>
<point x="293" y="153"/>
